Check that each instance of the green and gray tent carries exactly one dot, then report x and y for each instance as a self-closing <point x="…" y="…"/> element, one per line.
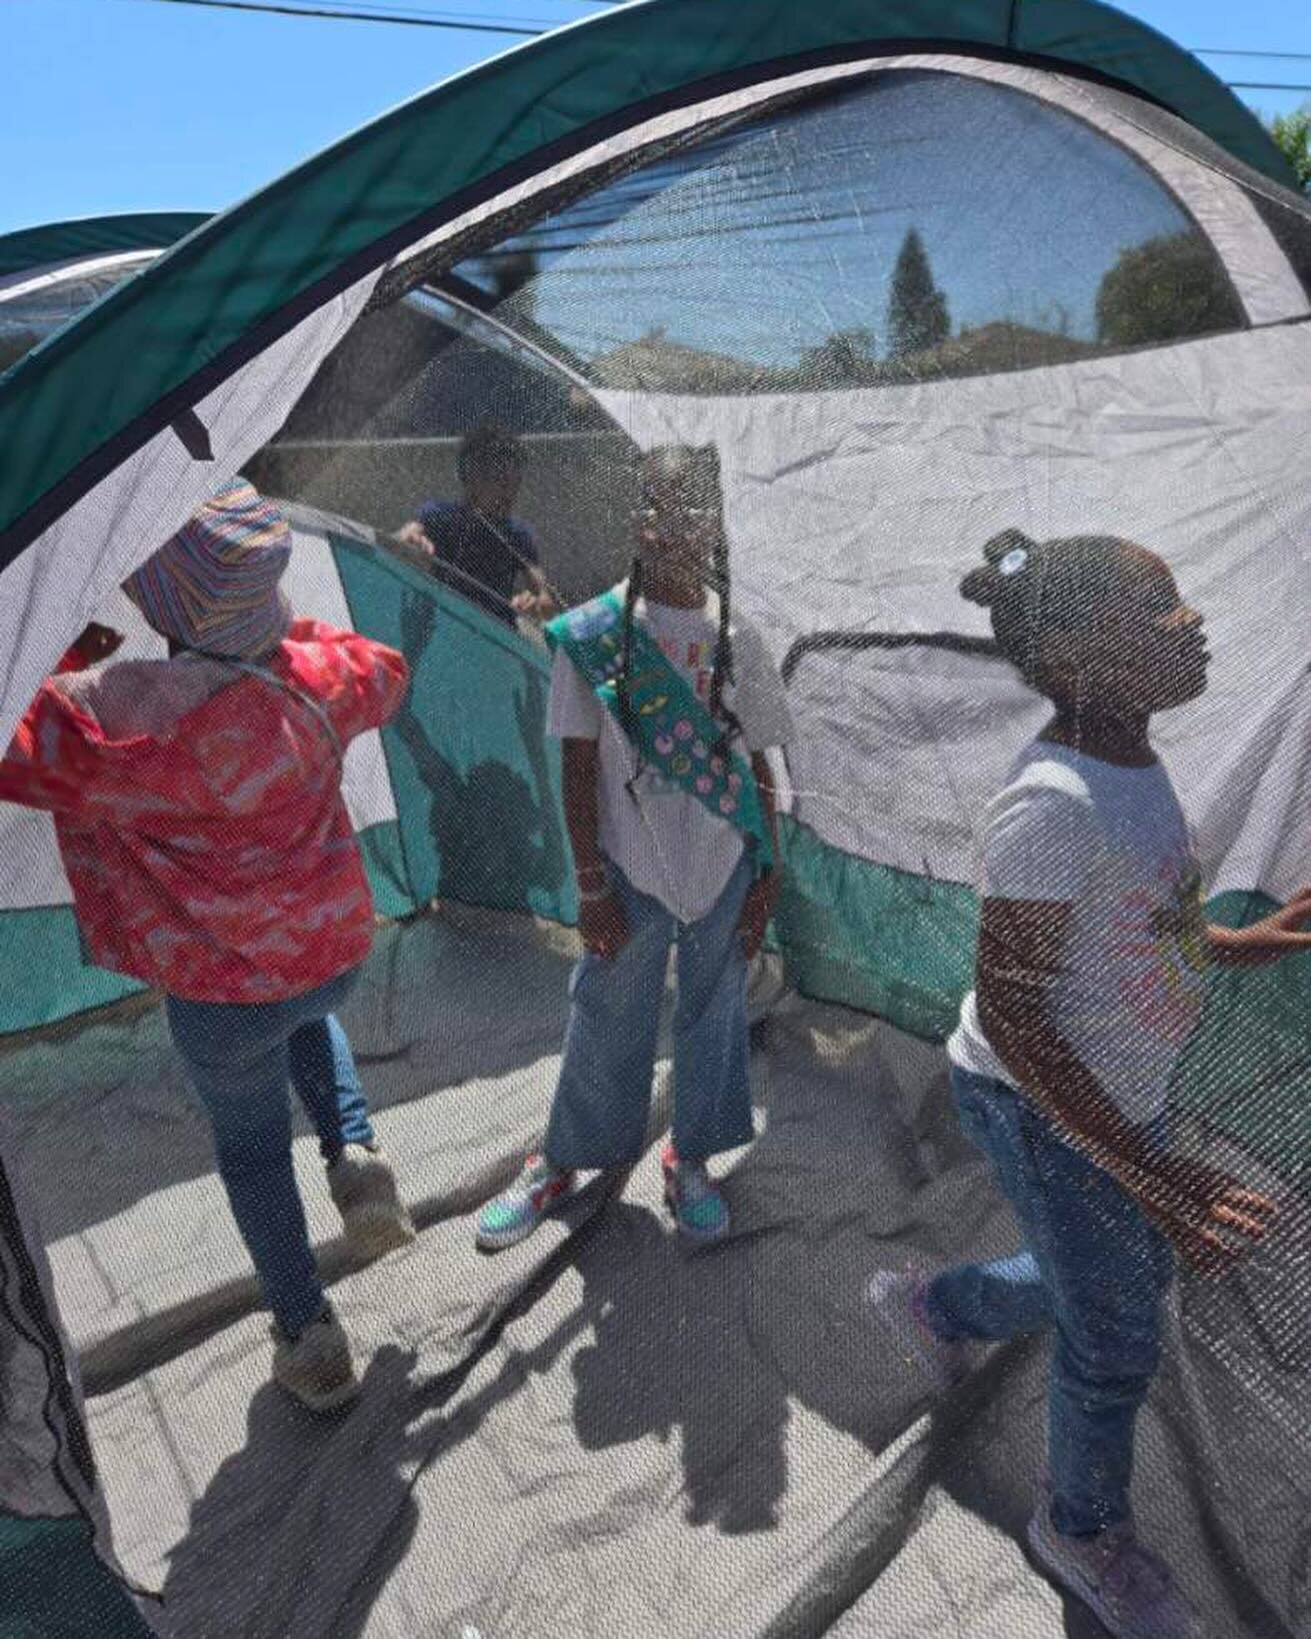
<point x="919" y="272"/>
<point x="50" y="274"/>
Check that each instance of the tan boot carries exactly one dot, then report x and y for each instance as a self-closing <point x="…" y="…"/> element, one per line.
<point x="316" y="1368"/>
<point x="364" y="1189"/>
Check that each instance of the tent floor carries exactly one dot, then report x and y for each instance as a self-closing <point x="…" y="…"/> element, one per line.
<point x="599" y="1432"/>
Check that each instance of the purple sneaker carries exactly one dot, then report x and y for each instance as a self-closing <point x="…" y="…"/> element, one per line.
<point x="1124" y="1584"/>
<point x="897" y="1301"/>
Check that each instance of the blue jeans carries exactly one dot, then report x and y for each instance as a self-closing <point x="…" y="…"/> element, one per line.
<point x="1095" y="1270"/>
<point x="600" y="1111"/>
<point x="240" y="1058"/>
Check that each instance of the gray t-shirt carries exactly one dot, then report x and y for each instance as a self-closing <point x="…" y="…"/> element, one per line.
<point x="1111" y="843"/>
<point x="665" y="842"/>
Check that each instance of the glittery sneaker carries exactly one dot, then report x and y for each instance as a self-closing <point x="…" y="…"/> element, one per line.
<point x="516" y="1212"/>
<point x="695" y="1200"/>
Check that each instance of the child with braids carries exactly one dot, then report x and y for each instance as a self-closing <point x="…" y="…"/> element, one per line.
<point x="655" y="685"/>
<point x="1089" y="982"/>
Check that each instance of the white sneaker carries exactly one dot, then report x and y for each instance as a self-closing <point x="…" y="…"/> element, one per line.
<point x="896" y="1300"/>
<point x="316" y="1368"/>
<point x="364" y="1189"/>
<point x="1125" y="1585"/>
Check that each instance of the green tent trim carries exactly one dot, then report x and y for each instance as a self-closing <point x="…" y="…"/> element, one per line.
<point x="54" y="1587"/>
<point x="71" y="410"/>
<point x="84" y="237"/>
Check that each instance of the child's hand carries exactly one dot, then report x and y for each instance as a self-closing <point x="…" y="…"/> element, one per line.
<point x="412" y="535"/>
<point x="533" y="605"/>
<point x="1277" y="935"/>
<point x="98" y="642"/>
<point x="1212" y="1220"/>
<point x="602" y="925"/>
<point x="761" y="898"/>
<point x="1290" y="917"/>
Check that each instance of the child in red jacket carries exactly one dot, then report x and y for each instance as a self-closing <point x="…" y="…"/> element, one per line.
<point x="198" y="806"/>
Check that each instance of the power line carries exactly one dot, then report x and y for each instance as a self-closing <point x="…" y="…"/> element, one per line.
<point x="390" y="10"/>
<point x="414" y="18"/>
<point x="419" y="20"/>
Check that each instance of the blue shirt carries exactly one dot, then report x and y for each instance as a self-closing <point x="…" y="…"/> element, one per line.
<point x="477" y="556"/>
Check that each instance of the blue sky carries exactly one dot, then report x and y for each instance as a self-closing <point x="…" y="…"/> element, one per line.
<point x="116" y="105"/>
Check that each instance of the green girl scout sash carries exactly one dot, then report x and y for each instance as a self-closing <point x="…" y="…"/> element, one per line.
<point x="675" y="733"/>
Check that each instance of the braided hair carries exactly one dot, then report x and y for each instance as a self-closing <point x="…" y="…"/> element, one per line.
<point x="722" y="666"/>
<point x="1034" y="590"/>
<point x="623" y="686"/>
<point x="695" y="470"/>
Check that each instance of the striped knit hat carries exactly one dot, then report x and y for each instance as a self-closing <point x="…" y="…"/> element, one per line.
<point x="213" y="586"/>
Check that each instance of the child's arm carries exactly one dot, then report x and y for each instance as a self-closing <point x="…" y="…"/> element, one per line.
<point x="51" y="760"/>
<point x="762" y="895"/>
<point x="1209" y="1217"/>
<point x="1271" y="939"/>
<point x="360" y="683"/>
<point x="600" y="917"/>
<point x="1020" y="958"/>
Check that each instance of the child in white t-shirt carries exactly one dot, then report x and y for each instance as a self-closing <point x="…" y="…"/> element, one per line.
<point x="1091" y="958"/>
<point x="656" y="867"/>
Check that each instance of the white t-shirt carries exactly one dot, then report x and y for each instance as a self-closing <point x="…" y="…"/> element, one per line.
<point x="666" y="843"/>
<point x="1111" y="843"/>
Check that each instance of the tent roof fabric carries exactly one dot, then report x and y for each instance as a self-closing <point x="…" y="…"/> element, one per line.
<point x="253" y="271"/>
<point x="51" y="244"/>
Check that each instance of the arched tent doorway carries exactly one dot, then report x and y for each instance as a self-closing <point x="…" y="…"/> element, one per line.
<point x="756" y="228"/>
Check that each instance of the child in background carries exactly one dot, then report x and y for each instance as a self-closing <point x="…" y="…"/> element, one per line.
<point x="1089" y="983"/>
<point x="674" y="842"/>
<point x="475" y="544"/>
<point x="198" y="806"/>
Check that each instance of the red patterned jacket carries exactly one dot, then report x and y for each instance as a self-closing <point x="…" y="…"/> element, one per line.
<point x="200" y="816"/>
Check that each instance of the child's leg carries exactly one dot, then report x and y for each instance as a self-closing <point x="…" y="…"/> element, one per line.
<point x="238" y="1061"/>
<point x="599" y="1115"/>
<point x="1103" y="1270"/>
<point x="991" y="1302"/>
<point x="712" y="1090"/>
<point x="1006" y="1297"/>
<point x="327" y="1084"/>
<point x="1109" y="1269"/>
